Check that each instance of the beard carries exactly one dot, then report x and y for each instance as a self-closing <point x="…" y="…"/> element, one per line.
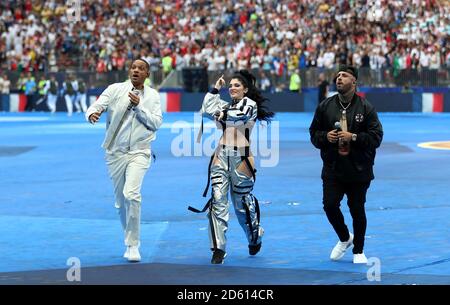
<point x="343" y="89"/>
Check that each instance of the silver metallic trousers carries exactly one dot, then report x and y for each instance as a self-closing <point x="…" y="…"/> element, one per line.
<point x="226" y="175"/>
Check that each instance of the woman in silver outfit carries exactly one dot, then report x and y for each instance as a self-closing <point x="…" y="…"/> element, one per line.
<point x="231" y="168"/>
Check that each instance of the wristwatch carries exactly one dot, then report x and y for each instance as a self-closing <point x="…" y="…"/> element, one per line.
<point x="354" y="136"/>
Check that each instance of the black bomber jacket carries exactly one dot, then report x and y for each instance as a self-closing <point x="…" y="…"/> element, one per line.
<point x="362" y="120"/>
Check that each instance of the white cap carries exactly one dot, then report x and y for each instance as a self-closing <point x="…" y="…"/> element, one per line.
<point x="145" y="60"/>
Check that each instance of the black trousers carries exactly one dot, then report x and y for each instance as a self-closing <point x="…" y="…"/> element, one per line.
<point x="333" y="193"/>
<point x="31" y="102"/>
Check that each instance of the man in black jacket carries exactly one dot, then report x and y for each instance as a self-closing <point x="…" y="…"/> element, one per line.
<point x="347" y="131"/>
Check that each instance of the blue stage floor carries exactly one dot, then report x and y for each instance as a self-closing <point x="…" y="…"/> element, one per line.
<point x="56" y="202"/>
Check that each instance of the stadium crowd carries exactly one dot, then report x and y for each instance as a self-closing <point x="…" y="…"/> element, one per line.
<point x="275" y="36"/>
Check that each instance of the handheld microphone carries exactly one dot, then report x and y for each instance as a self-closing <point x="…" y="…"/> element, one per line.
<point x="217" y="114"/>
<point x="135" y="92"/>
<point x="337" y="126"/>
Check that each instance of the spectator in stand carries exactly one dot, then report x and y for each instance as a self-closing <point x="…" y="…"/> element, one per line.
<point x="311" y="33"/>
<point x="265" y="83"/>
<point x="5" y="85"/>
<point x="30" y="92"/>
<point x="295" y="84"/>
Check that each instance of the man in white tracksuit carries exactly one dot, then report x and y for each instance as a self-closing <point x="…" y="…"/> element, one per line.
<point x="134" y="116"/>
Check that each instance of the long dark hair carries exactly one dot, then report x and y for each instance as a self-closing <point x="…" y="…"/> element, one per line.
<point x="249" y="82"/>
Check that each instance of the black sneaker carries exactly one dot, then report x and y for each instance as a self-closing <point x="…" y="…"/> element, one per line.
<point x="218" y="256"/>
<point x="252" y="249"/>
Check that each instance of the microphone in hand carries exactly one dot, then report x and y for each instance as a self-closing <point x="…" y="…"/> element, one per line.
<point x="217" y="114"/>
<point x="135" y="92"/>
<point x="343" y="146"/>
<point x="337" y="126"/>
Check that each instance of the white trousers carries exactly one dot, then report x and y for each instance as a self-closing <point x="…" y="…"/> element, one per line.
<point x="80" y="101"/>
<point x="51" y="102"/>
<point x="70" y="101"/>
<point x="127" y="171"/>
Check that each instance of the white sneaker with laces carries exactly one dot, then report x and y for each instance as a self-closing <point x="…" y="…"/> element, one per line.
<point x="359" y="258"/>
<point x="127" y="252"/>
<point x="339" y="250"/>
<point x="133" y="254"/>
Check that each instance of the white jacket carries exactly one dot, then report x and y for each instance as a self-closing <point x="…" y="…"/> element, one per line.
<point x="140" y="124"/>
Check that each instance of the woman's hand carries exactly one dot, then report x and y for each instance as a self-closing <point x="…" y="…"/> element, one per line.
<point x="220" y="82"/>
<point x="218" y="115"/>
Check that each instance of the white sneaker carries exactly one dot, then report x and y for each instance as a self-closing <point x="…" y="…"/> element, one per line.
<point x="340" y="248"/>
<point x="127" y="252"/>
<point x="133" y="254"/>
<point x="359" y="258"/>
